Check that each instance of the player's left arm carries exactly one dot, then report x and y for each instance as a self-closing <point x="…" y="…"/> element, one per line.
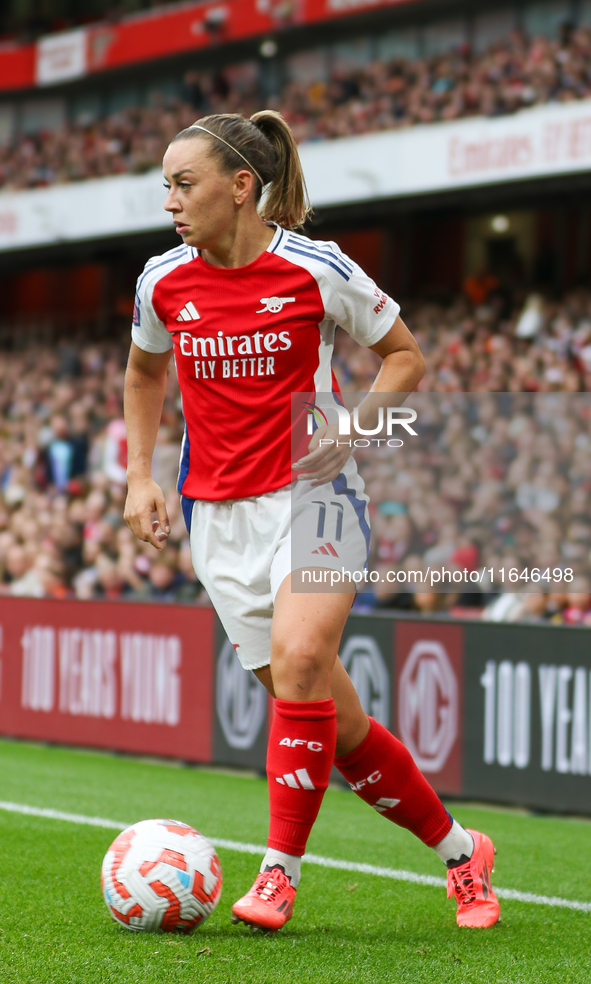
<point x="403" y="365"/>
<point x="402" y="369"/>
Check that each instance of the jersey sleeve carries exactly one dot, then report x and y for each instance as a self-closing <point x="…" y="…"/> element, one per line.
<point x="148" y="331"/>
<point x="359" y="306"/>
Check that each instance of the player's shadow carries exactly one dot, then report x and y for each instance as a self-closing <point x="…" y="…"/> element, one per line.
<point x="336" y="931"/>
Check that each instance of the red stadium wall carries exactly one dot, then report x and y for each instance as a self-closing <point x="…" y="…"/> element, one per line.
<point x="425" y="255"/>
<point x="489" y="711"/>
<point x="437" y="253"/>
<point x="364" y="246"/>
<point x="54" y="292"/>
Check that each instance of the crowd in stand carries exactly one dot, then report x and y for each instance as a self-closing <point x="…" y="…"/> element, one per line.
<point x="528" y="502"/>
<point x="386" y="95"/>
<point x="492" y="491"/>
<point x="381" y="95"/>
<point x="62" y="465"/>
<point x="541" y="346"/>
<point x="492" y="495"/>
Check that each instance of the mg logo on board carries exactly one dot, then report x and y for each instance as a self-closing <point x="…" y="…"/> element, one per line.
<point x="241" y="701"/>
<point x="364" y="663"/>
<point x="428" y="710"/>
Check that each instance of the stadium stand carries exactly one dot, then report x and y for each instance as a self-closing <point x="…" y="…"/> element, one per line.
<point x="62" y="460"/>
<point x="520" y="71"/>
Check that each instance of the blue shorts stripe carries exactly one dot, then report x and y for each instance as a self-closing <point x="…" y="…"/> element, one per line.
<point x="340" y="487"/>
<point x="184" y="464"/>
<point x="187" y="507"/>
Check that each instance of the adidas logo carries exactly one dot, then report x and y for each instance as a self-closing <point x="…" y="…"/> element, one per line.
<point x="326" y="548"/>
<point x="384" y="804"/>
<point x="290" y="780"/>
<point x="189" y="313"/>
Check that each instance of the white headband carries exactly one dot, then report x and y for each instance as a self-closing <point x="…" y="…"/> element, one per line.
<point x="196" y="126"/>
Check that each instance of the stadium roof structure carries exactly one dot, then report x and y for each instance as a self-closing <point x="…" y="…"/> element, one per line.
<point x="163" y="32"/>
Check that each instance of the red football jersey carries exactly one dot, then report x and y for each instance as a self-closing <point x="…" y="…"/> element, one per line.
<point x="244" y="340"/>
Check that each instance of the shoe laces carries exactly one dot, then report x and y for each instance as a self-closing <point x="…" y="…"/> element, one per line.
<point x="270" y="884"/>
<point x="462" y="881"/>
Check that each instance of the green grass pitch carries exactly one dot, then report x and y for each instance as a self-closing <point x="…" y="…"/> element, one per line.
<point x="54" y="925"/>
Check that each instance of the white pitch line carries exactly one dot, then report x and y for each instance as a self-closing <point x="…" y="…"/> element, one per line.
<point x="36" y="811"/>
<point x="396" y="874"/>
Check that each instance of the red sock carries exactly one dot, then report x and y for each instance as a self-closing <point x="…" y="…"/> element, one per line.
<point x="382" y="772"/>
<point x="300" y="754"/>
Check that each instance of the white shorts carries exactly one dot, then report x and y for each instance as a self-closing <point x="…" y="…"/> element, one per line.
<point x="242" y="550"/>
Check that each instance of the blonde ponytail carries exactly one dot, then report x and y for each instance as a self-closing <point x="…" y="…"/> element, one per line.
<point x="286" y="201"/>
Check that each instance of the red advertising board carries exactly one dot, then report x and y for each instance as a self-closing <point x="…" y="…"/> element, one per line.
<point x="134" y="677"/>
<point x="428" y="698"/>
<point x="17" y="66"/>
<point x="168" y="31"/>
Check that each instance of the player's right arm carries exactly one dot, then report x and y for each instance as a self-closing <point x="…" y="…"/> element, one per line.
<point x="145" y="387"/>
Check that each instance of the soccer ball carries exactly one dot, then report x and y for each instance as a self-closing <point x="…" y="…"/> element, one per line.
<point x="161" y="874"/>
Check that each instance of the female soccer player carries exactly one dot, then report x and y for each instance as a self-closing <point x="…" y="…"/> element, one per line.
<point x="250" y="309"/>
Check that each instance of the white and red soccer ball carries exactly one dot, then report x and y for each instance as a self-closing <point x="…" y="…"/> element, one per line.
<point x="161" y="874"/>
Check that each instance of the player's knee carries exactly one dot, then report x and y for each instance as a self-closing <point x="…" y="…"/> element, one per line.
<point x="292" y="660"/>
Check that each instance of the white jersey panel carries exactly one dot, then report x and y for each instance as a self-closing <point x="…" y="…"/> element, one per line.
<point x="351" y="299"/>
<point x="148" y="331"/>
<point x="323" y="374"/>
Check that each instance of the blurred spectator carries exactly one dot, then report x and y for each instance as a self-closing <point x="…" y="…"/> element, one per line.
<point x="479" y="286"/>
<point x="578" y="609"/>
<point x="193" y="91"/>
<point x="531" y="319"/>
<point x="66" y="452"/>
<point x="115" y="452"/>
<point x="164" y="577"/>
<point x="430" y="602"/>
